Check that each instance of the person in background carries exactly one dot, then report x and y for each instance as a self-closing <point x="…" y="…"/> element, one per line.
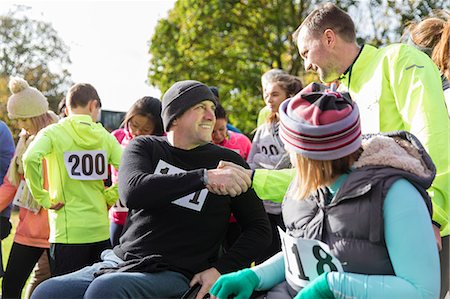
<point x="78" y="151"/>
<point x="6" y="153"/>
<point x="267" y="150"/>
<point x="143" y="118"/>
<point x="240" y="144"/>
<point x="62" y="112"/>
<point x="265" y="78"/>
<point x="29" y="107"/>
<point x="215" y="91"/>
<point x="232" y="140"/>
<point x="385" y="250"/>
<point x="432" y="36"/>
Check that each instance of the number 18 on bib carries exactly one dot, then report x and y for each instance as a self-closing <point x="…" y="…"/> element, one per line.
<point x="306" y="259"/>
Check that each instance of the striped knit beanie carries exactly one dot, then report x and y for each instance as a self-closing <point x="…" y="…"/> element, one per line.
<point x="320" y="125"/>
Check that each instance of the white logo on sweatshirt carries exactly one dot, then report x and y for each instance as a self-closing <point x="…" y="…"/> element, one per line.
<point x="193" y="201"/>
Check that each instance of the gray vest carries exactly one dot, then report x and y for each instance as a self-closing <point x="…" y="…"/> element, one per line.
<point x="352" y="224"/>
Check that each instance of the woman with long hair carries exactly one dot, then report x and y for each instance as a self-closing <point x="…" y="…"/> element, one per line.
<point x="267" y="150"/>
<point x="29" y="107"/>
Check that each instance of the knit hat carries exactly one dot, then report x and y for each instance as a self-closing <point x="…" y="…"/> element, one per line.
<point x="25" y="101"/>
<point x="320" y="125"/>
<point x="181" y="96"/>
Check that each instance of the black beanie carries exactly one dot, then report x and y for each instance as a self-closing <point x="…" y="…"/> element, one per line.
<point x="181" y="96"/>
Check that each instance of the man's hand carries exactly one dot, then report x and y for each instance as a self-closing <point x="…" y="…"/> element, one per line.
<point x="223" y="164"/>
<point x="437" y="235"/>
<point x="230" y="179"/>
<point x="56" y="206"/>
<point x="206" y="278"/>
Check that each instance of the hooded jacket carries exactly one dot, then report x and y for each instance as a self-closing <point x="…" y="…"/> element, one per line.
<point x="71" y="149"/>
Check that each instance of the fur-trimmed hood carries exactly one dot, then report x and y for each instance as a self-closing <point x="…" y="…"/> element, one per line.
<point x="389" y="156"/>
<point x="400" y="150"/>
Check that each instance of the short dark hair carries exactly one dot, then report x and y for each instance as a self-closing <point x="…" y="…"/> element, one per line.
<point x="328" y="16"/>
<point x="80" y="94"/>
<point x="220" y="112"/>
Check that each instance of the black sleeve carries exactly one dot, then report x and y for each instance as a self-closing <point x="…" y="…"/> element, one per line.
<point x="140" y="188"/>
<point x="256" y="233"/>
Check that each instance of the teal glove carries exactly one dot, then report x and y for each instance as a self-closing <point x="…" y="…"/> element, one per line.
<point x="316" y="289"/>
<point x="241" y="284"/>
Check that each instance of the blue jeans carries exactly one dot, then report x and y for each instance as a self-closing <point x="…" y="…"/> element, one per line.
<point x="83" y="284"/>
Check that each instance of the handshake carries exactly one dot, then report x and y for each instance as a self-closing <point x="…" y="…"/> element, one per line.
<point x="229" y="179"/>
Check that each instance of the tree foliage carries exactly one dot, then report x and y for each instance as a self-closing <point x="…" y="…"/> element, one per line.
<point x="381" y="22"/>
<point x="231" y="43"/>
<point x="33" y="50"/>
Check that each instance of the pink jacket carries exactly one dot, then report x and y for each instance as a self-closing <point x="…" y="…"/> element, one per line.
<point x="33" y="229"/>
<point x="237" y="142"/>
<point x="116" y="216"/>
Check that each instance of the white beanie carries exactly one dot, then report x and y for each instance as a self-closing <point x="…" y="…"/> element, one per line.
<point x="25" y="101"/>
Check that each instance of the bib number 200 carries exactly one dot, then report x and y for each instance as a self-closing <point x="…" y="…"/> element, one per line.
<point x="86" y="165"/>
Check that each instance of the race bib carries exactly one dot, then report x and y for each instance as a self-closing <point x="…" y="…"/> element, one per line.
<point x="193" y="201"/>
<point x="24" y="199"/>
<point x="306" y="259"/>
<point x="86" y="165"/>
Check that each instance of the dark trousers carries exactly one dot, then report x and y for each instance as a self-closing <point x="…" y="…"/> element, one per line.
<point x="67" y="258"/>
<point x="115" y="231"/>
<point x="445" y="265"/>
<point x="275" y="246"/>
<point x="21" y="262"/>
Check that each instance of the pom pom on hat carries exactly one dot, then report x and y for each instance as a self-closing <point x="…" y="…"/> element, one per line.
<point x="17" y="84"/>
<point x="25" y="101"/>
<point x="320" y="125"/>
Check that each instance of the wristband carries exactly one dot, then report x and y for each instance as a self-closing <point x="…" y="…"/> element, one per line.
<point x="205" y="177"/>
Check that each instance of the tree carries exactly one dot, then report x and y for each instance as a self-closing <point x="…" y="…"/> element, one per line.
<point x="33" y="50"/>
<point x="231" y="43"/>
<point x="381" y="22"/>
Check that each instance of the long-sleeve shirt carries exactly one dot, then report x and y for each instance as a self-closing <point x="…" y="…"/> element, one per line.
<point x="172" y="214"/>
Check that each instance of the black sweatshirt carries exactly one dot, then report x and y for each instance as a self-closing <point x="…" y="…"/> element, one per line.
<point x="186" y="233"/>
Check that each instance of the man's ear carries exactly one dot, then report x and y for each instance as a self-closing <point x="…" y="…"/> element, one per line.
<point x="329" y="38"/>
<point x="93" y="105"/>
